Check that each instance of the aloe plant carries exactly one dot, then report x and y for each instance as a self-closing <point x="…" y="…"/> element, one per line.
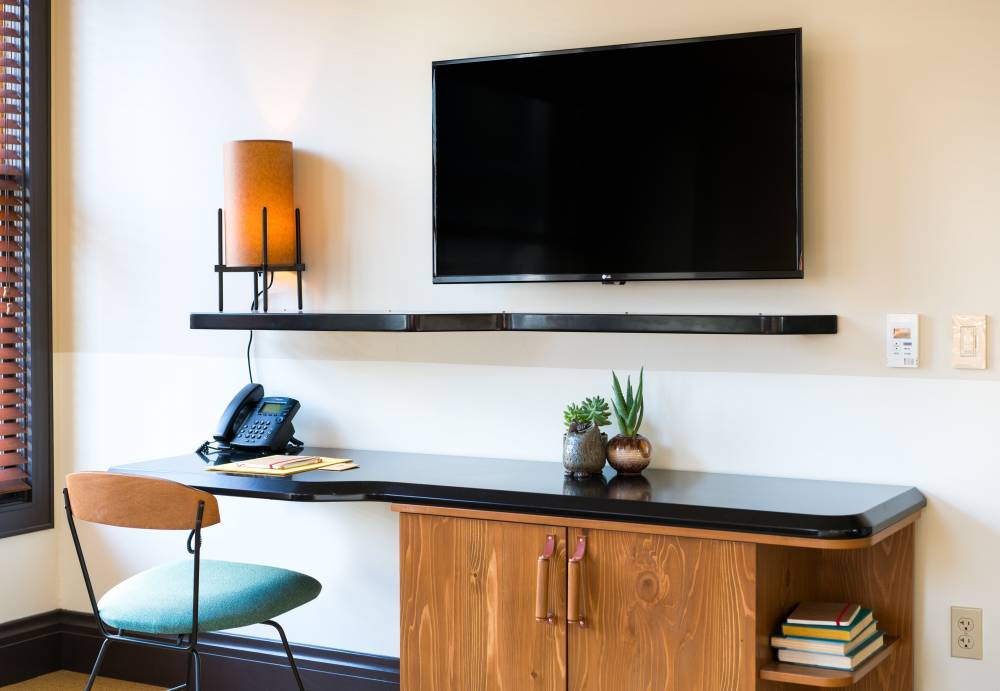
<point x="591" y="411"/>
<point x="628" y="406"/>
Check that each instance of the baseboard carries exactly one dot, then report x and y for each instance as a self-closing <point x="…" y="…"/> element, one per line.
<point x="29" y="647"/>
<point x="69" y="640"/>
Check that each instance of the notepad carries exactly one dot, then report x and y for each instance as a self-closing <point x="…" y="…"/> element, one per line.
<point x="824" y="614"/>
<point x="349" y="465"/>
<point x="254" y="467"/>
<point x="278" y="461"/>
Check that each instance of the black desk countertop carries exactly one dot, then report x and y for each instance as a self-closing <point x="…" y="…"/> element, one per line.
<point x="747" y="503"/>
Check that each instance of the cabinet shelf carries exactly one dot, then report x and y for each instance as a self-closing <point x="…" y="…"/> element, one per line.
<point x="760" y="324"/>
<point x="826" y="678"/>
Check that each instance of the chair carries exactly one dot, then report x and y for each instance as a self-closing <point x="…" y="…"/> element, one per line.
<point x="187" y="597"/>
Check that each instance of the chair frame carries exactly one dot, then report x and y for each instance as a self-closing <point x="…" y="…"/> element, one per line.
<point x="187" y="643"/>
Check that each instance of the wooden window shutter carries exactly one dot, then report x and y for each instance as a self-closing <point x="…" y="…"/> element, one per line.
<point x="15" y="246"/>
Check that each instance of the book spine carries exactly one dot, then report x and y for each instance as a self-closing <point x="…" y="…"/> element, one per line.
<point x="822" y="634"/>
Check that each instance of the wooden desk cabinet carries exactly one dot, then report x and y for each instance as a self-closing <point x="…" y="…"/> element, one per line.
<point x="662" y="608"/>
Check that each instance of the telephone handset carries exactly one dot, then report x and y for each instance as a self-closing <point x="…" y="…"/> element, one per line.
<point x="255" y="422"/>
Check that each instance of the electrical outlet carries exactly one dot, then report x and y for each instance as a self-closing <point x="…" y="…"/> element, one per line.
<point x="967" y="632"/>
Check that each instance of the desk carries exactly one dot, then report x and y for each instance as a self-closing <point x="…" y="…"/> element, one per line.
<point x="682" y="575"/>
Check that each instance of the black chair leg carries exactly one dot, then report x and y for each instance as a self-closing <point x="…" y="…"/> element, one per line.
<point x="187" y="675"/>
<point x="97" y="664"/>
<point x="196" y="662"/>
<point x="288" y="652"/>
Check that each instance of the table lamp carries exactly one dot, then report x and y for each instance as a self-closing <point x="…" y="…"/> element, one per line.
<point x="259" y="226"/>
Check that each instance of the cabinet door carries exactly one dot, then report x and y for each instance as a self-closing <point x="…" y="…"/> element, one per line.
<point x="662" y="613"/>
<point x="468" y="600"/>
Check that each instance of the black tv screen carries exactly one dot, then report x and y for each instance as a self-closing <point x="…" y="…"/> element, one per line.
<point x="667" y="160"/>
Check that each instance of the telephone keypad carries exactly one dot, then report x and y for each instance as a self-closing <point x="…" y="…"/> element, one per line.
<point x="268" y="420"/>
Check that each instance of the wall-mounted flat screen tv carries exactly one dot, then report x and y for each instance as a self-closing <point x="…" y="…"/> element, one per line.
<point x="669" y="160"/>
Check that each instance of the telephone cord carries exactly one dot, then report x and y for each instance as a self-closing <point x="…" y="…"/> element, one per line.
<point x="270" y="282"/>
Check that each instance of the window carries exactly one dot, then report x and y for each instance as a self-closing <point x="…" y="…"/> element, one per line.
<point x="25" y="301"/>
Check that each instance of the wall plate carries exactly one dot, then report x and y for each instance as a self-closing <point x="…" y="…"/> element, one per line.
<point x="902" y="340"/>
<point x="967" y="632"/>
<point x="968" y="341"/>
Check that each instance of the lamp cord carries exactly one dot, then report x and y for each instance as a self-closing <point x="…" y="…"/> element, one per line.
<point x="270" y="282"/>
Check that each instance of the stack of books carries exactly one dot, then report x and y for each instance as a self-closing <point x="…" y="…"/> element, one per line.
<point x="833" y="635"/>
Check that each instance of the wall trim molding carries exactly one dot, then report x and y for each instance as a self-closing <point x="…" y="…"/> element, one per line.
<point x="63" y="639"/>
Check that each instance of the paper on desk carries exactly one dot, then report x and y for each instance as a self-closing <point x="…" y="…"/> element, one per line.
<point x="322" y="463"/>
<point x="341" y="465"/>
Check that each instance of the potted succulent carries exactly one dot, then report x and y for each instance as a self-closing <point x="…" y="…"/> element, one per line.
<point x="628" y="452"/>
<point x="583" y="442"/>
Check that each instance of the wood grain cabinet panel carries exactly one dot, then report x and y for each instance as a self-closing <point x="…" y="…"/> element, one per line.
<point x="468" y="594"/>
<point x="663" y="613"/>
<point x="660" y="611"/>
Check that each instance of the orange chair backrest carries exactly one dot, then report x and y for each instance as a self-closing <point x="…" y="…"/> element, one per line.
<point x="132" y="501"/>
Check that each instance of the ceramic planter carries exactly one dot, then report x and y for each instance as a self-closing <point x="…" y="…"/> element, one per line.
<point x="583" y="452"/>
<point x="629" y="455"/>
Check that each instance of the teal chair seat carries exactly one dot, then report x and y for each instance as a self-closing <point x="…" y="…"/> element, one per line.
<point x="231" y="594"/>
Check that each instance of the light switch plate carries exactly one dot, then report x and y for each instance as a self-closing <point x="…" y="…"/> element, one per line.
<point x="967" y="632"/>
<point x="902" y="340"/>
<point x="968" y="341"/>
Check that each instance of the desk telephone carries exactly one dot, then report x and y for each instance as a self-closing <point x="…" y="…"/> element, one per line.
<point x="253" y="422"/>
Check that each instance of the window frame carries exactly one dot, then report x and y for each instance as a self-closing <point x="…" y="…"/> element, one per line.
<point x="37" y="512"/>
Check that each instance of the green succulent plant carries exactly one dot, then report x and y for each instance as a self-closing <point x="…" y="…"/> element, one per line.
<point x="591" y="411"/>
<point x="628" y="407"/>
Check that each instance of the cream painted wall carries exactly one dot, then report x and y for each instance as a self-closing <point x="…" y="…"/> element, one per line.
<point x="901" y="215"/>
<point x="31" y="585"/>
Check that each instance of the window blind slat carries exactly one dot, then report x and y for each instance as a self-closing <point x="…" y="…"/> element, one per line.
<point x="12" y="444"/>
<point x="8" y="474"/>
<point x="7" y="399"/>
<point x="11" y="413"/>
<point x="11" y="429"/>
<point x="15" y="486"/>
<point x="9" y="460"/>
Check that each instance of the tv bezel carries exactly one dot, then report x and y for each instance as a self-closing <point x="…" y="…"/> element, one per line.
<point x="637" y="276"/>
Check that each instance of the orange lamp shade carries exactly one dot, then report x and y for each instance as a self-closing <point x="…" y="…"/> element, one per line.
<point x="258" y="174"/>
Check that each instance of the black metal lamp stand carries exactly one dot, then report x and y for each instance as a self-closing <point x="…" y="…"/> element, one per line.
<point x="261" y="270"/>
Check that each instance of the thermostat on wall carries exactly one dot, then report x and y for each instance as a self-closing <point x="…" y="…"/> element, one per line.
<point x="902" y="340"/>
